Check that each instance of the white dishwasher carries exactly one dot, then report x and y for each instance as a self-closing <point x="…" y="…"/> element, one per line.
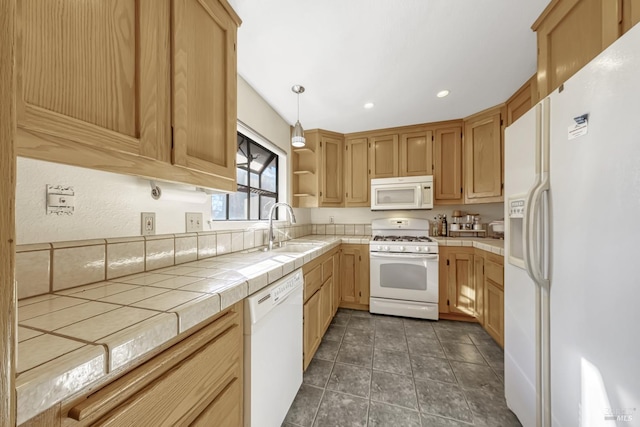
<point x="273" y="351"/>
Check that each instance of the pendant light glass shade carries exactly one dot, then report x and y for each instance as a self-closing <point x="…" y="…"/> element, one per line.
<point x="297" y="139"/>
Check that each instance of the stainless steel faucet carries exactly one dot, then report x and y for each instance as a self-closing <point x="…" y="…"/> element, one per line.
<point x="273" y="208"/>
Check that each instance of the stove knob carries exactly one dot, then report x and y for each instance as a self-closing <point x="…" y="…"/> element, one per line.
<point x="401" y="248"/>
<point x="386" y="248"/>
<point x="379" y="247"/>
<point x="418" y="248"/>
<point x="427" y="249"/>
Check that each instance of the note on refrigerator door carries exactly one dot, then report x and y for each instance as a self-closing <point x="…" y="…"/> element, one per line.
<point x="579" y="128"/>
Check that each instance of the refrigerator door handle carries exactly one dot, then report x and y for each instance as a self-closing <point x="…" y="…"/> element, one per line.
<point x="536" y="237"/>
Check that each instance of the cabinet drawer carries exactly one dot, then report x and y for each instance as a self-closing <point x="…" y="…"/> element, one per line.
<point x="312" y="281"/>
<point x="494" y="272"/>
<point x="182" y="393"/>
<point x="174" y="387"/>
<point x="225" y="410"/>
<point x="327" y="269"/>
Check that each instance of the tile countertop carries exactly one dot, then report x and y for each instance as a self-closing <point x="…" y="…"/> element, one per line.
<point x="495" y="246"/>
<point x="69" y="339"/>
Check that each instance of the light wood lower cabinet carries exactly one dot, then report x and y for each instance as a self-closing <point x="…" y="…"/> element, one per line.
<point x="478" y="281"/>
<point x="461" y="283"/>
<point x="319" y="302"/>
<point x="494" y="296"/>
<point x="472" y="287"/>
<point x="311" y="328"/>
<point x="354" y="276"/>
<point x="198" y="381"/>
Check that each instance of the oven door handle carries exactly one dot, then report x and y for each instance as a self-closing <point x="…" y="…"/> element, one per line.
<point x="405" y="256"/>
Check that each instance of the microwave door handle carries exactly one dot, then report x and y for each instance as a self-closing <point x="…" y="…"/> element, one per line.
<point x="419" y="195"/>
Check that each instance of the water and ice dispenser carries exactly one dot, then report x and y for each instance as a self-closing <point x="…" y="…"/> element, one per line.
<point x="515" y="233"/>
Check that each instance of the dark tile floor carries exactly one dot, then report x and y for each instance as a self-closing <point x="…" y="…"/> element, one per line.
<point x="373" y="370"/>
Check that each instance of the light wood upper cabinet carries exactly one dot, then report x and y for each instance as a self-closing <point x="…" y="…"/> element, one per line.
<point x="317" y="177"/>
<point x="447" y="175"/>
<point x="86" y="74"/>
<point x="204" y="74"/>
<point x="416" y="153"/>
<point x="331" y="170"/>
<point x="356" y="172"/>
<point x="572" y="32"/>
<point x="522" y="100"/>
<point x="630" y="14"/>
<point x="97" y="81"/>
<point x="383" y="156"/>
<point x="483" y="157"/>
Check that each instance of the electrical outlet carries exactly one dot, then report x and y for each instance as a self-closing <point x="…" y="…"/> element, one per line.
<point x="331" y="220"/>
<point x="148" y="221"/>
<point x="194" y="221"/>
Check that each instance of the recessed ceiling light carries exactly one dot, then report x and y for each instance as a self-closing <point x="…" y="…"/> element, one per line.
<point x="442" y="93"/>
<point x="368" y="105"/>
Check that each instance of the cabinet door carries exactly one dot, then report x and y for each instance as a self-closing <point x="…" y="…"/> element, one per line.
<point x="494" y="311"/>
<point x="354" y="275"/>
<point x="478" y="279"/>
<point x="462" y="290"/>
<point x="571" y="33"/>
<point x="448" y="165"/>
<point x="95" y="73"/>
<point x="311" y="336"/>
<point x="350" y="274"/>
<point x="331" y="172"/>
<point x="204" y="79"/>
<point x="416" y="153"/>
<point x="363" y="283"/>
<point x="336" y="283"/>
<point x="443" y="280"/>
<point x="356" y="172"/>
<point x="383" y="156"/>
<point x="326" y="300"/>
<point x="483" y="158"/>
<point x="630" y="14"/>
<point x="522" y="101"/>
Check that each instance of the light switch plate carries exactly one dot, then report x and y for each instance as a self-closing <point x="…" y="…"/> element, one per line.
<point x="60" y="200"/>
<point x="148" y="221"/>
<point x="194" y="221"/>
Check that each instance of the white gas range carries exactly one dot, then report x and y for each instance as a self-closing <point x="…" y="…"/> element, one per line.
<point x="404" y="268"/>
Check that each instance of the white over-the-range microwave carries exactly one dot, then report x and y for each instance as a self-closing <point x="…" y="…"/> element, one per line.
<point x="402" y="193"/>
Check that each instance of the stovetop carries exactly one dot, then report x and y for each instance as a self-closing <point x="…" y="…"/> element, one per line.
<point x="408" y="235"/>
<point x="410" y="239"/>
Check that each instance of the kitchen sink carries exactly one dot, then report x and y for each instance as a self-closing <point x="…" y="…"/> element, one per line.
<point x="284" y="247"/>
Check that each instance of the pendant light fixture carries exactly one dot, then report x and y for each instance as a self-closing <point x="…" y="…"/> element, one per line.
<point x="297" y="139"/>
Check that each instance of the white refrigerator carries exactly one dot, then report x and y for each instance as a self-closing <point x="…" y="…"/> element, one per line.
<point x="572" y="249"/>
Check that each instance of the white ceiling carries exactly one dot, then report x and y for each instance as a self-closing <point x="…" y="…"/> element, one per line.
<point x="396" y="54"/>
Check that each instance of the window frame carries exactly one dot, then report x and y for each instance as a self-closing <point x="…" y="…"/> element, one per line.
<point x="276" y="155"/>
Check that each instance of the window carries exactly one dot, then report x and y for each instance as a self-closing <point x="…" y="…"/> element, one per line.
<point x="257" y="173"/>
